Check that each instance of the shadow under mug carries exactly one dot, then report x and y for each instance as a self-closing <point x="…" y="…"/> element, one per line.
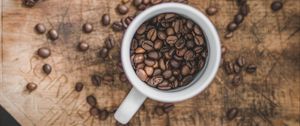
<point x="141" y="90"/>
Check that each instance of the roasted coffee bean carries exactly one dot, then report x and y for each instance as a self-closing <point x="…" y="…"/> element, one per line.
<point x="142" y="74"/>
<point x="186" y="80"/>
<point x="153" y="2"/>
<point x="117" y="26"/>
<point x="174" y="63"/>
<point x="91" y="100"/>
<point x="134" y="44"/>
<point x="29" y="3"/>
<point x="47" y="68"/>
<point x="232" y="113"/>
<point x="181" y="52"/>
<point x="96" y="80"/>
<point x="236" y="68"/>
<point x="44" y="52"/>
<point x="148" y="45"/>
<point x="197" y="30"/>
<point x="190" y="44"/>
<point x="241" y="61"/>
<point x="162" y="64"/>
<point x="53" y="34"/>
<point x="31" y="86"/>
<point x="152" y="34"/>
<point x="164" y="85"/>
<point x="167" y="74"/>
<point x="223" y="51"/>
<point x="244" y="9"/>
<point x="149" y="62"/>
<point x="82" y="46"/>
<point x="211" y="11"/>
<point x="172" y="79"/>
<point x="159" y="110"/>
<point x="180" y="44"/>
<point x="161" y="35"/>
<point x="199" y="40"/>
<point x="103" y="53"/>
<point x="140" y="66"/>
<point x="185" y="70"/>
<point x="153" y="55"/>
<point x="154" y="81"/>
<point x="189" y="24"/>
<point x="94" y="111"/>
<point x="87" y="28"/>
<point x="78" y="86"/>
<point x="229" y="67"/>
<point x="170" y="31"/>
<point x="168" y="107"/>
<point x="276" y="5"/>
<point x="158" y="44"/>
<point x="128" y="20"/>
<point x="238" y="18"/>
<point x="146" y="2"/>
<point x="171" y="40"/>
<point x="141" y="29"/>
<point x="232" y="26"/>
<point x="137" y="2"/>
<point x="109" y="42"/>
<point x="138" y="58"/>
<point x="122" y="9"/>
<point x="236" y="80"/>
<point x="189" y="55"/>
<point x="157" y="72"/>
<point x="198" y="49"/>
<point x="122" y="77"/>
<point x="105" y="20"/>
<point x="139" y="50"/>
<point x="251" y="68"/>
<point x="149" y="70"/>
<point x="103" y="114"/>
<point x="40" y="28"/>
<point x="228" y="35"/>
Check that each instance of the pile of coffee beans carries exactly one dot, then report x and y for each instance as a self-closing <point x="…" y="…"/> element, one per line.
<point x="167" y="51"/>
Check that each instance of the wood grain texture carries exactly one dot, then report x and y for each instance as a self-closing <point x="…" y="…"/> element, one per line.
<point x="270" y="97"/>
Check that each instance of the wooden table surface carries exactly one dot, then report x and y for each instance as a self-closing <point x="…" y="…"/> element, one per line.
<point x="268" y="39"/>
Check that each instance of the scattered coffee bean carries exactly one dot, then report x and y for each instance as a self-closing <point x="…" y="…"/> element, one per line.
<point x="29" y="3"/>
<point x="103" y="53"/>
<point x="82" y="46"/>
<point x="232" y="113"/>
<point x="238" y="18"/>
<point x="103" y="114"/>
<point x="91" y="100"/>
<point x="211" y="11"/>
<point x="87" y="28"/>
<point x="251" y="68"/>
<point x="168" y="107"/>
<point x="109" y="42"/>
<point x="241" y="61"/>
<point x="228" y="67"/>
<point x="31" y="86"/>
<point x="40" y="28"/>
<point x="236" y="80"/>
<point x="105" y="20"/>
<point x="117" y="26"/>
<point x="165" y="51"/>
<point x="137" y="2"/>
<point x="236" y="68"/>
<point x="94" y="111"/>
<point x="53" y="34"/>
<point x="244" y="9"/>
<point x="232" y="26"/>
<point x="44" y="52"/>
<point x="78" y="86"/>
<point x="228" y="35"/>
<point x="276" y="5"/>
<point x="96" y="80"/>
<point x="122" y="9"/>
<point x="47" y="68"/>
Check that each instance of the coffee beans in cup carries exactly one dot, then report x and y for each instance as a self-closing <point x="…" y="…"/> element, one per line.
<point x="168" y="51"/>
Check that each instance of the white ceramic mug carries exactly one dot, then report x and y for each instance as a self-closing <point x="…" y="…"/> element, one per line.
<point x="141" y="90"/>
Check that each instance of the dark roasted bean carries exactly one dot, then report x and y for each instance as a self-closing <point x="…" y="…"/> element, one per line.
<point x="211" y="11"/>
<point x="44" y="52"/>
<point x="251" y="68"/>
<point x="91" y="100"/>
<point x="78" y="86"/>
<point x="276" y="5"/>
<point x="31" y="86"/>
<point x="87" y="28"/>
<point x="232" y="113"/>
<point x="105" y="20"/>
<point x="47" y="68"/>
<point x="40" y="28"/>
<point x="96" y="80"/>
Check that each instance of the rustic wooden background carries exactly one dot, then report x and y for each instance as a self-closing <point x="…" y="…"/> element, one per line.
<point x="268" y="97"/>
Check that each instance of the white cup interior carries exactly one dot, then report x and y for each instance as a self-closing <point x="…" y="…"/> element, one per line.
<point x="202" y="80"/>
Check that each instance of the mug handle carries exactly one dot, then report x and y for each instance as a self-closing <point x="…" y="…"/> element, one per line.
<point x="129" y="106"/>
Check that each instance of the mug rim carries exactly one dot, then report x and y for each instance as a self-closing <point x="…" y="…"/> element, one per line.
<point x="212" y="40"/>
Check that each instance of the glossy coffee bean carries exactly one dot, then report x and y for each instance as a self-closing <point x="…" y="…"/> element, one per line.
<point x="142" y="74"/>
<point x="31" y="86"/>
<point x="122" y="9"/>
<point x="276" y="5"/>
<point x="96" y="80"/>
<point x="40" y="28"/>
<point x="53" y="34"/>
<point x="87" y="28"/>
<point x="82" y="46"/>
<point x="47" y="68"/>
<point x="105" y="20"/>
<point x="211" y="11"/>
<point x="78" y="86"/>
<point x="91" y="100"/>
<point x="232" y="113"/>
<point x="44" y="52"/>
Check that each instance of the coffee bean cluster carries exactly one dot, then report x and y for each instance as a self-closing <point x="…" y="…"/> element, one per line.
<point x="236" y="69"/>
<point x="101" y="114"/>
<point x="238" y="18"/>
<point x="167" y="51"/>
